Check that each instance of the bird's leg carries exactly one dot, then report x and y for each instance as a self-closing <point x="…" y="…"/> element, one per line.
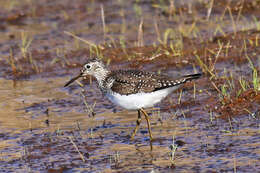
<point x="148" y="123"/>
<point x="138" y="122"/>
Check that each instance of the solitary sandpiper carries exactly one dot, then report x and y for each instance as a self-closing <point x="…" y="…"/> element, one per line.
<point x="132" y="89"/>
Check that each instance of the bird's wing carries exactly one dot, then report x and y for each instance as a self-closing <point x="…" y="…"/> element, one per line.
<point x="133" y="81"/>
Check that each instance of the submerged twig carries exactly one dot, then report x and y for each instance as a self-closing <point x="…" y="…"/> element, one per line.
<point x="76" y="147"/>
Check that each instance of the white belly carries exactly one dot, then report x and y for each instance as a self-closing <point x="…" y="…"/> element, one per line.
<point x="139" y="100"/>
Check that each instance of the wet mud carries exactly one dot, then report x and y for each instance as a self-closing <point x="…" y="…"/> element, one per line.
<point x="213" y="123"/>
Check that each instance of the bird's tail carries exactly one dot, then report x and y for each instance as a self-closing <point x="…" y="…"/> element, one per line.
<point x="190" y="77"/>
<point x="179" y="81"/>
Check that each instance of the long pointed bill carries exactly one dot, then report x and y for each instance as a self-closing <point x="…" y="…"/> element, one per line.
<point x="73" y="79"/>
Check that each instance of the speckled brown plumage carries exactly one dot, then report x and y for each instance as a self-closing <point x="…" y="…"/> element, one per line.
<point x="127" y="82"/>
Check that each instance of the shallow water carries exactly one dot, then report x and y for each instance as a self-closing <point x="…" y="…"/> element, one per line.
<point x="45" y="127"/>
<point x="104" y="140"/>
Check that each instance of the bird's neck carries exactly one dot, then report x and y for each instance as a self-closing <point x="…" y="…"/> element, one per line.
<point x="101" y="77"/>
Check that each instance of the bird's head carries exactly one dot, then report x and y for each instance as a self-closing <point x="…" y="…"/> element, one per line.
<point x="93" y="67"/>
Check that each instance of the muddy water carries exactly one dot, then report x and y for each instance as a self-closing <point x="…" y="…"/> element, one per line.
<point x="45" y="127"/>
<point x="29" y="143"/>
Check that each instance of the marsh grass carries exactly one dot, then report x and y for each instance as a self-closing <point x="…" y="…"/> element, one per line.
<point x="255" y="79"/>
<point x="214" y="38"/>
<point x="173" y="148"/>
<point x="114" y="159"/>
<point x="11" y="62"/>
<point x="26" y="41"/>
<point x="77" y="149"/>
<point x="89" y="108"/>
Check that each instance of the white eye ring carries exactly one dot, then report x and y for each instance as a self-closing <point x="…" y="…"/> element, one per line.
<point x="87" y="66"/>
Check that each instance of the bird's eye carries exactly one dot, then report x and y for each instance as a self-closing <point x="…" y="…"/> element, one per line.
<point x="88" y="66"/>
